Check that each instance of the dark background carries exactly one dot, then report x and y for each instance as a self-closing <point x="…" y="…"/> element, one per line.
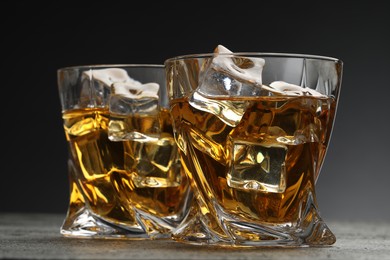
<point x="36" y="41"/>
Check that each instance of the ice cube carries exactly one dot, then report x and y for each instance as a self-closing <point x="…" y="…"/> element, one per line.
<point x="96" y="84"/>
<point x="153" y="163"/>
<point x="134" y="111"/>
<point x="230" y="112"/>
<point x="287" y="89"/>
<point x="309" y="134"/>
<point x="258" y="166"/>
<point x="134" y="98"/>
<point x="241" y="68"/>
<point x="109" y="76"/>
<point x="228" y="75"/>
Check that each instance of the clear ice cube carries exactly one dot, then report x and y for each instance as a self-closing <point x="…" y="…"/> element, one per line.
<point x="96" y="84"/>
<point x="109" y="76"/>
<point x="128" y="99"/>
<point x="133" y="106"/>
<point x="309" y="134"/>
<point x="228" y="76"/>
<point x="153" y="163"/>
<point x="134" y="111"/>
<point x="257" y="166"/>
<point x="287" y="89"/>
<point x="230" y="112"/>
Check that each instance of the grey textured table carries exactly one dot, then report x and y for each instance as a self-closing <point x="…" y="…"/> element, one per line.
<point x="36" y="236"/>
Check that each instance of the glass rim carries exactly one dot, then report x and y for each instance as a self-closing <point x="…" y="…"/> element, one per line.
<point x="119" y="65"/>
<point x="256" y="54"/>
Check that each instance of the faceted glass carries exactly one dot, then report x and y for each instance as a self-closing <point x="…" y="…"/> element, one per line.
<point x="125" y="174"/>
<point x="253" y="130"/>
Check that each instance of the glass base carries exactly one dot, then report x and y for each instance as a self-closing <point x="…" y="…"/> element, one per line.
<point x="261" y="236"/>
<point x="308" y="230"/>
<point x="85" y="224"/>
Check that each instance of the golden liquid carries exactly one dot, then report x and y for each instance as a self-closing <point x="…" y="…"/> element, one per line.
<point x="263" y="168"/>
<point x="102" y="171"/>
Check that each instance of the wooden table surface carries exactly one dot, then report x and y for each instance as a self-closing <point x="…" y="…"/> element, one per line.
<point x="36" y="236"/>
